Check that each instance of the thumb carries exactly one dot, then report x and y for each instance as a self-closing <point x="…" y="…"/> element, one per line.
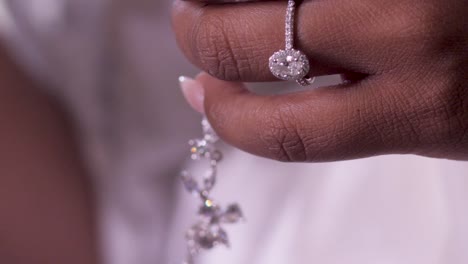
<point x="325" y="124"/>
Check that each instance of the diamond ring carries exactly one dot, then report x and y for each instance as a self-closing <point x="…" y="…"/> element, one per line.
<point x="290" y="64"/>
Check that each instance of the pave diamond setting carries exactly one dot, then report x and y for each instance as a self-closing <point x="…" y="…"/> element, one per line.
<point x="289" y="65"/>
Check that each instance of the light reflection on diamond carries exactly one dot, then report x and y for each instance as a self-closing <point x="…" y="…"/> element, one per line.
<point x="289" y="65"/>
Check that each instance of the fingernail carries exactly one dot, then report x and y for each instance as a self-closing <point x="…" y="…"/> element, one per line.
<point x="193" y="92"/>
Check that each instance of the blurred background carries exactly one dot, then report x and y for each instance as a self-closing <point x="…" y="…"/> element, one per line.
<point x="114" y="65"/>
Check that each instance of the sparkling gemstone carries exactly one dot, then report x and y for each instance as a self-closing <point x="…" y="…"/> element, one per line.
<point x="190" y="183"/>
<point x="199" y="148"/>
<point x="233" y="214"/>
<point x="209" y="203"/>
<point x="289" y="65"/>
<point x="209" y="210"/>
<point x="206" y="236"/>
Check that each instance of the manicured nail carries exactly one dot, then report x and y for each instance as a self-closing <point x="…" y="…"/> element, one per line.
<point x="193" y="92"/>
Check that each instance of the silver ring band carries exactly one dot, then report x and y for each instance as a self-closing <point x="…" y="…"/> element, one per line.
<point x="290" y="64"/>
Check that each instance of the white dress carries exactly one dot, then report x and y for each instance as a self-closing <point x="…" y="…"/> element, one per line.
<point x="115" y="65"/>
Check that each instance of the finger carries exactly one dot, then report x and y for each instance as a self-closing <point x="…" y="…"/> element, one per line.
<point x="234" y="42"/>
<point x="223" y="1"/>
<point x="334" y="123"/>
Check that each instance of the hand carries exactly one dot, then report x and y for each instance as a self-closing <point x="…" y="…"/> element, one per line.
<point x="407" y="62"/>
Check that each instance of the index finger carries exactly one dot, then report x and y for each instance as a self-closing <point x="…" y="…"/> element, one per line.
<point x="234" y="42"/>
<point x="222" y="1"/>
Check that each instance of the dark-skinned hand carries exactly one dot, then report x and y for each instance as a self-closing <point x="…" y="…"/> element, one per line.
<point x="406" y="62"/>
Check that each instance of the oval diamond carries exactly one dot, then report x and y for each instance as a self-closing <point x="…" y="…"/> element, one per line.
<point x="289" y="65"/>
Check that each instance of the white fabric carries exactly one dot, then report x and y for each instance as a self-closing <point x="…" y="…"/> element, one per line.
<point x="115" y="65"/>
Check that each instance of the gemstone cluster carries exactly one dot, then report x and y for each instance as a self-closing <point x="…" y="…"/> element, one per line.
<point x="289" y="65"/>
<point x="208" y="232"/>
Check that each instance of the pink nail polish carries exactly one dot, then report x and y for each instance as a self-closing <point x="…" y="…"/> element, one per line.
<point x="193" y="92"/>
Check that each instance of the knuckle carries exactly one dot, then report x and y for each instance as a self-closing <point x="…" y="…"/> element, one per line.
<point x="281" y="137"/>
<point x="218" y="49"/>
